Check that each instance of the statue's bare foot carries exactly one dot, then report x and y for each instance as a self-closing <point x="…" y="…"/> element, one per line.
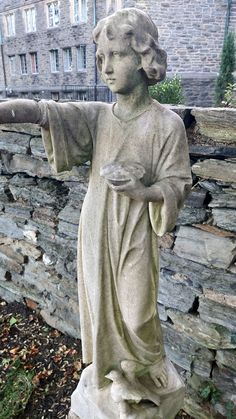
<point x="158" y="373"/>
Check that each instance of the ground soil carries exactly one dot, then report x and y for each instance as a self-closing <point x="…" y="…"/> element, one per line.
<point x="53" y="358"/>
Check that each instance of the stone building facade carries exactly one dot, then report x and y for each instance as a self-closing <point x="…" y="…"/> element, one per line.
<point x="47" y="48"/>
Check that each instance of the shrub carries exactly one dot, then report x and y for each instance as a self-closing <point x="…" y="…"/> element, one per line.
<point x="168" y="91"/>
<point x="230" y="96"/>
<point x="227" y="67"/>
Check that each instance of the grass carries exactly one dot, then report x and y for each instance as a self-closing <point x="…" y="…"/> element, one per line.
<point x="15" y="393"/>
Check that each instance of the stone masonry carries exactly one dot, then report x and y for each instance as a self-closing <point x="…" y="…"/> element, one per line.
<point x="192" y="32"/>
<point x="39" y="216"/>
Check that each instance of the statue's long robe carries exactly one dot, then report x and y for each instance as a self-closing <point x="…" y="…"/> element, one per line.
<point x="118" y="249"/>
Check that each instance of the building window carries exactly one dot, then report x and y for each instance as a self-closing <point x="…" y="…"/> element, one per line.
<point x="53" y="14"/>
<point x="12" y="64"/>
<point x="23" y="63"/>
<point x="30" y="20"/>
<point x="10" y="24"/>
<point x="67" y="59"/>
<point x="54" y="60"/>
<point x="34" y="62"/>
<point x="81" y="57"/>
<point x="80" y="11"/>
<point x="55" y="96"/>
<point x="82" y="95"/>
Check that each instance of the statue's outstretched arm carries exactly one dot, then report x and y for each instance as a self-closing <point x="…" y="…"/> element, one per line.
<point x="20" y="111"/>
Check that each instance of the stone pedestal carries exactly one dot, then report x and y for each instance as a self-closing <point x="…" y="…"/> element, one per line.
<point x="87" y="402"/>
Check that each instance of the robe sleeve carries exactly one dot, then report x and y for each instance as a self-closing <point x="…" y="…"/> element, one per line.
<point x="173" y="178"/>
<point x="66" y="134"/>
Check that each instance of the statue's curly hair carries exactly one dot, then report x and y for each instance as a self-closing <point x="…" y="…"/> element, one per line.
<point x="138" y="27"/>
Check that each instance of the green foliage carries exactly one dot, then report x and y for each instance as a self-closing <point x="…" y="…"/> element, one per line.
<point x="230" y="96"/>
<point x="16" y="392"/>
<point x="168" y="91"/>
<point x="230" y="410"/>
<point x="227" y="67"/>
<point x="209" y="392"/>
<point x="12" y="321"/>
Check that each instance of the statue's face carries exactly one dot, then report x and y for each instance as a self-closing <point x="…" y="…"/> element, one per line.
<point x="119" y="64"/>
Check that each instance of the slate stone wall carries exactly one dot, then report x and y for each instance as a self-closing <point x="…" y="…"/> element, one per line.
<point x="39" y="216"/>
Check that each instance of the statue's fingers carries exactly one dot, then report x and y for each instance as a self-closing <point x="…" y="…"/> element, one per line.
<point x="157" y="381"/>
<point x="163" y="379"/>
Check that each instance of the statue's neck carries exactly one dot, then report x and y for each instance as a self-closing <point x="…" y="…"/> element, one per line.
<point x="131" y="104"/>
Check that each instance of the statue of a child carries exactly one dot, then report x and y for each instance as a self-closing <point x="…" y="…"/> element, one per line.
<point x="138" y="180"/>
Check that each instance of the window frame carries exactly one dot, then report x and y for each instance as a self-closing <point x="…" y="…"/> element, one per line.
<point x="35" y="63"/>
<point x="82" y="58"/>
<point x="12" y="64"/>
<point x="67" y="59"/>
<point x="10" y="24"/>
<point x="23" y="64"/>
<point x="55" y="23"/>
<point x="30" y="24"/>
<point x="79" y="11"/>
<point x="54" y="60"/>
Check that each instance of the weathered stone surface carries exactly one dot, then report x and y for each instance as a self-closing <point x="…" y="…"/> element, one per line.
<point x="175" y="292"/>
<point x="211" y="336"/>
<point x="225" y="299"/>
<point x="27" y="164"/>
<point x="199" y="276"/>
<point x="225" y="218"/>
<point x="37" y="148"/>
<point x="18" y="211"/>
<point x="9" y="228"/>
<point x="186" y="353"/>
<point x="226" y="358"/>
<point x="30" y="233"/>
<point x="46" y="193"/>
<point x="224" y="379"/>
<point x="211" y="151"/>
<point x="31" y="129"/>
<point x="46" y="216"/>
<point x="204" y="247"/>
<point x="14" y="143"/>
<point x="166" y="241"/>
<point x="68" y="229"/>
<point x="215" y="230"/>
<point x="196" y="410"/>
<point x="215" y="169"/>
<point x="210" y="186"/>
<point x="223" y="200"/>
<point x="11" y="293"/>
<point x="191" y="216"/>
<point x="196" y="198"/>
<point x="10" y="259"/>
<point x="217" y="313"/>
<point x="162" y="312"/>
<point x="216" y="123"/>
<point x="70" y="213"/>
<point x="27" y="249"/>
<point x="60" y="324"/>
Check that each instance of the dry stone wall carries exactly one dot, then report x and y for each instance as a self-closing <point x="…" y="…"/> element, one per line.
<point x="39" y="216"/>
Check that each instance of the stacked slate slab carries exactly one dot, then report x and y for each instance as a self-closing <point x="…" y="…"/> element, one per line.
<point x="39" y="217"/>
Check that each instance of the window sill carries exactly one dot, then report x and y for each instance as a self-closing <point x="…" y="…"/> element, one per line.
<point x="52" y="28"/>
<point x="75" y="24"/>
<point x="82" y="70"/>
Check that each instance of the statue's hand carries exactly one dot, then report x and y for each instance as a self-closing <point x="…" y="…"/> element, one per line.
<point x="133" y="188"/>
<point x="158" y="373"/>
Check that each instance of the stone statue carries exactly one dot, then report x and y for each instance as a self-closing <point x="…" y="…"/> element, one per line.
<point x="139" y="178"/>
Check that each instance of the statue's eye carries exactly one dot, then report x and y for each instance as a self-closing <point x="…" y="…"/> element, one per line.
<point x="116" y="54"/>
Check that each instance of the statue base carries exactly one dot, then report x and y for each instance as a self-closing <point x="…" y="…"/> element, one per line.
<point x="89" y="402"/>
